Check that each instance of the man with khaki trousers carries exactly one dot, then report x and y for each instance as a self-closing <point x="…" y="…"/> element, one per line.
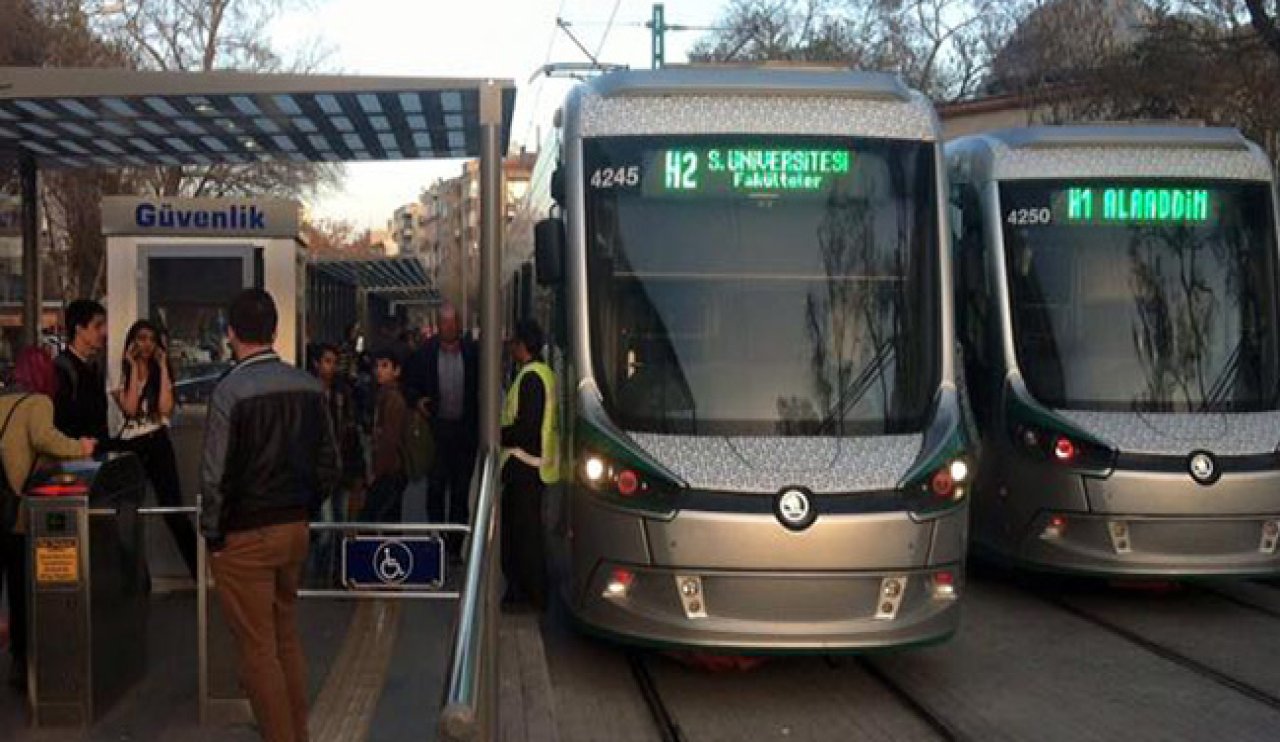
<point x="269" y="454"/>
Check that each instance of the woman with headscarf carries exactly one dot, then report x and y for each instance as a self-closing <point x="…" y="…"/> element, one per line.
<point x="26" y="434"/>
<point x="146" y="400"/>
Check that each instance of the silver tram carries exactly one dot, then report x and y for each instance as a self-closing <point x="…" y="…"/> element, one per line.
<point x="1116" y="302"/>
<point x="762" y="443"/>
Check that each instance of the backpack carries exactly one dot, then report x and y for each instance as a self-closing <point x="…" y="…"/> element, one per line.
<point x="8" y="498"/>
<point x="418" y="447"/>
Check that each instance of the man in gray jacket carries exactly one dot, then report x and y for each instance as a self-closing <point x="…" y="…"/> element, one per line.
<point x="269" y="454"/>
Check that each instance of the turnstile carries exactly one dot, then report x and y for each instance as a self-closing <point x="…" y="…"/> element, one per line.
<point x="87" y="588"/>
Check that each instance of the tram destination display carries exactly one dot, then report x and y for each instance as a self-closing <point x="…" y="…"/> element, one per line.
<point x="719" y="169"/>
<point x="1117" y="204"/>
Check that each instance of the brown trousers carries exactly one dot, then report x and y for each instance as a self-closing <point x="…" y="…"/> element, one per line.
<point x="257" y="575"/>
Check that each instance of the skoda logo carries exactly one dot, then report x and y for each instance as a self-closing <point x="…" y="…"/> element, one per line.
<point x="1202" y="467"/>
<point x="393" y="562"/>
<point x="794" y="510"/>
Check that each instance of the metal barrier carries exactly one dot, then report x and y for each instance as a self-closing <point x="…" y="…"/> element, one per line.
<point x="202" y="600"/>
<point x="474" y="617"/>
<point x="470" y="702"/>
<point x="206" y="700"/>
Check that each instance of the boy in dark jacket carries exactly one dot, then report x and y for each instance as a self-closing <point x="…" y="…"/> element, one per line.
<point x="384" y="502"/>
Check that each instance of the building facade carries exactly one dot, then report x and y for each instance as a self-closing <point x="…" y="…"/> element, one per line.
<point x="449" y="229"/>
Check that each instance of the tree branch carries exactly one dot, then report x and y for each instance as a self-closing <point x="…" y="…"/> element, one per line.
<point x="1264" y="24"/>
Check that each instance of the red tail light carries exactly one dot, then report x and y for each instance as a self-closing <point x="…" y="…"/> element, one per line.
<point x="942" y="484"/>
<point x="628" y="483"/>
<point x="619" y="583"/>
<point x="1063" y="449"/>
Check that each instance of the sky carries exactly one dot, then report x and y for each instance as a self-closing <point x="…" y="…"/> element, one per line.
<point x="469" y="38"/>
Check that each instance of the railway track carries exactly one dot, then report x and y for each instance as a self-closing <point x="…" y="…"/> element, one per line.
<point x="1164" y="651"/>
<point x="935" y="722"/>
<point x="668" y="729"/>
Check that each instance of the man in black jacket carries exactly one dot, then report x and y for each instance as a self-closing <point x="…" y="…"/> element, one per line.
<point x="442" y="380"/>
<point x="269" y="455"/>
<point x="80" y="405"/>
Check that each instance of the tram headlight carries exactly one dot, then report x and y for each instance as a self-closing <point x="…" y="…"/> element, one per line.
<point x="595" y="469"/>
<point x="959" y="471"/>
<point x="602" y="474"/>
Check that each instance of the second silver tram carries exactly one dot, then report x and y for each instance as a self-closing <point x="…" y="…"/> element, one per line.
<point x="762" y="439"/>
<point x="1117" y="305"/>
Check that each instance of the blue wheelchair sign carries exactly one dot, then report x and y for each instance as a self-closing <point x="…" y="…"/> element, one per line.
<point x="393" y="562"/>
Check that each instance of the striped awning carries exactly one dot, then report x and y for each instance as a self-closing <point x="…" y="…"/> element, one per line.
<point x="117" y="118"/>
<point x="403" y="278"/>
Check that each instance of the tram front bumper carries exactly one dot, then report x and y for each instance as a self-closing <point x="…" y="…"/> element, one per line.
<point x="1145" y="545"/>
<point x="771" y="611"/>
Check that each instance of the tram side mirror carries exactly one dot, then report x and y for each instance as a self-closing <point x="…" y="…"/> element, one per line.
<point x="557" y="185"/>
<point x="548" y="245"/>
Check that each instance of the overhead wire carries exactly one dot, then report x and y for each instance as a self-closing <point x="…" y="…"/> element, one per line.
<point x="613" y="14"/>
<point x="537" y="94"/>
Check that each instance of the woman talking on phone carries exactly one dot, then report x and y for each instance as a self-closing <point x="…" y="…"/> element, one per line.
<point x="146" y="401"/>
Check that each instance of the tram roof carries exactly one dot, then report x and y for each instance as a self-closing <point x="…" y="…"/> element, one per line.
<point x="1108" y="151"/>
<point x="752" y="80"/>
<point x="71" y="117"/>
<point x="1121" y="135"/>
<point x="401" y="278"/>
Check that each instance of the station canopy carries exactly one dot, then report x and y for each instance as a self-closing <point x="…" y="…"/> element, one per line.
<point x="72" y="118"/>
<point x="398" y="279"/>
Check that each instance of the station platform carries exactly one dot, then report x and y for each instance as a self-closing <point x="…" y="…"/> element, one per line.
<point x="376" y="672"/>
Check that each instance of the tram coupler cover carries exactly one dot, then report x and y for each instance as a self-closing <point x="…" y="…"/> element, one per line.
<point x="86" y="588"/>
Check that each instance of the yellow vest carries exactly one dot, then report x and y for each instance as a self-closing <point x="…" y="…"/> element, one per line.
<point x="548" y="465"/>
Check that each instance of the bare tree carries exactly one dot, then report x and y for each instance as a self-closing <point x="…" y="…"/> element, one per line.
<point x="205" y="36"/>
<point x="1262" y="14"/>
<point x="38" y="33"/>
<point x="942" y="47"/>
<point x="328" y="235"/>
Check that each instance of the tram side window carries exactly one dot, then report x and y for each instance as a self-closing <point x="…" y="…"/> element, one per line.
<point x="973" y="297"/>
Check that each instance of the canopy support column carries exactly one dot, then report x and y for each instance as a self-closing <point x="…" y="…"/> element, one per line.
<point x="490" y="262"/>
<point x="32" y="301"/>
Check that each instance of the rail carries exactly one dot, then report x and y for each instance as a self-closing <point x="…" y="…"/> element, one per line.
<point x="469" y="711"/>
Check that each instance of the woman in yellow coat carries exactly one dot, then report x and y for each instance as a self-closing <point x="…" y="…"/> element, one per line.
<point x="26" y="434"/>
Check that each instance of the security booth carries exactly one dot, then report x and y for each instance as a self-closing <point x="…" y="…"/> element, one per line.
<point x="179" y="263"/>
<point x="87" y="588"/>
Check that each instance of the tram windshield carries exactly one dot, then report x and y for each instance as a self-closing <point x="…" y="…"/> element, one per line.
<point x="1145" y="296"/>
<point x="763" y="286"/>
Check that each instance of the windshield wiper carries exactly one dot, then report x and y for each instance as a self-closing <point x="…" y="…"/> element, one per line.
<point x="856" y="389"/>
<point x="1221" y="385"/>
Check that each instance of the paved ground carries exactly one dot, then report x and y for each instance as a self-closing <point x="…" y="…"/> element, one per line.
<point x="1035" y="659"/>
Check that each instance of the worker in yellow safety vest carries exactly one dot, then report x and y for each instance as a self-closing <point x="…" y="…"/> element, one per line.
<point x="530" y="443"/>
